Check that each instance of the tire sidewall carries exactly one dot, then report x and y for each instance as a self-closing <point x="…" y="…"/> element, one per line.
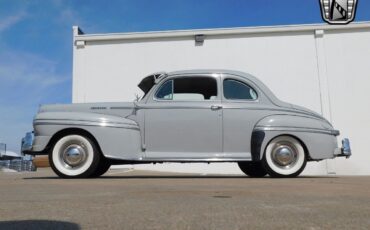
<point x="275" y="171"/>
<point x="90" y="165"/>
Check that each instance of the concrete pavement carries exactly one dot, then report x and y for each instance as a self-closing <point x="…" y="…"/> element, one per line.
<point x="152" y="200"/>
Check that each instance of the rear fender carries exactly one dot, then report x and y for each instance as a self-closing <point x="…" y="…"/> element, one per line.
<point x="317" y="137"/>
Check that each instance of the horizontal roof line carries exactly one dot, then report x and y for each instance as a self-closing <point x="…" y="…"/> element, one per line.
<point x="78" y="36"/>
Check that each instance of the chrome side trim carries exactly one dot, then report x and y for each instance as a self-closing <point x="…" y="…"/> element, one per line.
<point x="200" y="105"/>
<point x="85" y="123"/>
<point x="120" y="107"/>
<point x="80" y="120"/>
<point x="297" y="129"/>
<point x="198" y="159"/>
<point x="205" y="160"/>
<point x="98" y="108"/>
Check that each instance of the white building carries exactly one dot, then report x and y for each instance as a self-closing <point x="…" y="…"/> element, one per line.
<point x="325" y="68"/>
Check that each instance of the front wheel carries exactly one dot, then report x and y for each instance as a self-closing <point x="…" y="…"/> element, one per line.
<point x="284" y="157"/>
<point x="74" y="156"/>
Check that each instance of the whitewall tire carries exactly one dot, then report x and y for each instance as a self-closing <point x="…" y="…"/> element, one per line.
<point x="74" y="156"/>
<point x="284" y="157"/>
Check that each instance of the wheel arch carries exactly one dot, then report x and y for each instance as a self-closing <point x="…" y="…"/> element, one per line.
<point x="271" y="137"/>
<point x="71" y="131"/>
<point x="310" y="132"/>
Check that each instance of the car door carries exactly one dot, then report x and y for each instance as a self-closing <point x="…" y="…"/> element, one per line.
<point x="241" y="111"/>
<point x="183" y="119"/>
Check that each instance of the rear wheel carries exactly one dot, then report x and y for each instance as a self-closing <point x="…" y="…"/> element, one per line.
<point x="284" y="157"/>
<point x="252" y="169"/>
<point x="75" y="156"/>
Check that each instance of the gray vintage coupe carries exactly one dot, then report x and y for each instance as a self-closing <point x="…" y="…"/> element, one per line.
<point x="187" y="116"/>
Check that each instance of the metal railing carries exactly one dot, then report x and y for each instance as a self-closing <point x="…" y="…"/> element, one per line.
<point x="18" y="165"/>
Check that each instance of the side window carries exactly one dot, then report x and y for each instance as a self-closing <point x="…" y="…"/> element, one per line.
<point x="236" y="90"/>
<point x="166" y="91"/>
<point x="188" y="89"/>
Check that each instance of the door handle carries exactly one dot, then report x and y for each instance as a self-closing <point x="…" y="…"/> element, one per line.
<point x="216" y="107"/>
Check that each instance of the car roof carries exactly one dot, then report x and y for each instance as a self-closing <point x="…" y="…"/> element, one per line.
<point x="148" y="82"/>
<point x="247" y="76"/>
<point x="210" y="71"/>
<point x="219" y="71"/>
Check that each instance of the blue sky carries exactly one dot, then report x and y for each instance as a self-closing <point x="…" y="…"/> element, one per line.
<point x="36" y="40"/>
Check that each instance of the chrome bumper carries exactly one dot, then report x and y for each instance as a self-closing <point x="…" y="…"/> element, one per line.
<point x="27" y="142"/>
<point x="345" y="150"/>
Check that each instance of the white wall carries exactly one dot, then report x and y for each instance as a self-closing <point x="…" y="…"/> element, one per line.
<point x="348" y="65"/>
<point x="323" y="70"/>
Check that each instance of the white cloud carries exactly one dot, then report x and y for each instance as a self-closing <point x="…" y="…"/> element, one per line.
<point x="25" y="81"/>
<point x="66" y="13"/>
<point x="9" y="21"/>
<point x="28" y="70"/>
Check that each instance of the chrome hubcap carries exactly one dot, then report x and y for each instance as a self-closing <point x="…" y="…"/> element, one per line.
<point x="74" y="155"/>
<point x="284" y="155"/>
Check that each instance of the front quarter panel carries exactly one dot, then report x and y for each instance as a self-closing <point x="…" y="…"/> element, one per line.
<point x="118" y="137"/>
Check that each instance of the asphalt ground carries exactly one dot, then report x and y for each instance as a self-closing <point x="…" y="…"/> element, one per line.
<point x="152" y="200"/>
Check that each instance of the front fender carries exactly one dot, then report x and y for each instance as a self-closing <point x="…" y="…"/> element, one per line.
<point x="118" y="137"/>
<point x="85" y="119"/>
<point x="317" y="136"/>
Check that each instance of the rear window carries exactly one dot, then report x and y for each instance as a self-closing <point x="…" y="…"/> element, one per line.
<point x="237" y="90"/>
